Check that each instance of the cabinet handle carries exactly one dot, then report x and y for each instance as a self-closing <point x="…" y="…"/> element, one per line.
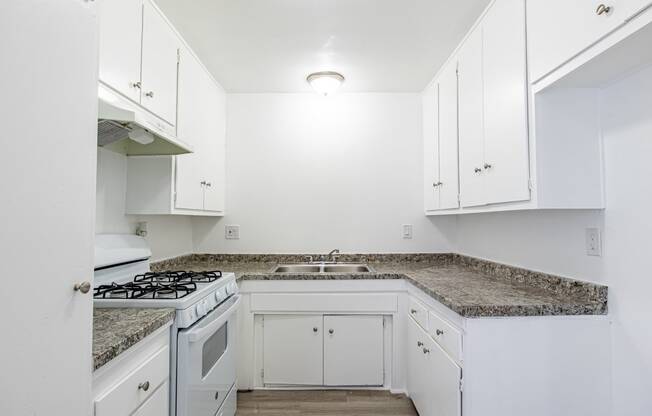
<point x="477" y="170"/>
<point x="202" y="183"/>
<point x="426" y="351"/>
<point x="487" y="166"/>
<point x="419" y="344"/>
<point x="602" y="9"/>
<point x="413" y="311"/>
<point x="149" y="94"/>
<point x="83" y="287"/>
<point x="144" y="386"/>
<point x="439" y="332"/>
<point x="331" y="331"/>
<point x="315" y="329"/>
<point x="208" y="184"/>
<point x="435" y="184"/>
<point x="135" y="85"/>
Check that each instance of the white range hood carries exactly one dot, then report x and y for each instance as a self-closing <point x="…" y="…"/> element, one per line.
<point x="127" y="128"/>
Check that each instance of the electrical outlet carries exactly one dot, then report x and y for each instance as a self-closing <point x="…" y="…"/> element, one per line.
<point x="407" y="231"/>
<point x="593" y="242"/>
<point x="232" y="232"/>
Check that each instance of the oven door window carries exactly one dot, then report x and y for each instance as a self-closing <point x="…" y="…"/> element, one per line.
<point x="214" y="348"/>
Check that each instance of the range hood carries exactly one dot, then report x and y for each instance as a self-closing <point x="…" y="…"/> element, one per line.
<point x="127" y="128"/>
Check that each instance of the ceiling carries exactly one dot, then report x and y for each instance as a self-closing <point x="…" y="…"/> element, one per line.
<point x="272" y="45"/>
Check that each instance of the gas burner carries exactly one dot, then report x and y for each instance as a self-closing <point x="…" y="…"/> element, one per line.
<point x="145" y="289"/>
<point x="179" y="277"/>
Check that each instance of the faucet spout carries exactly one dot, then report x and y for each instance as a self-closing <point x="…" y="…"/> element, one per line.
<point x="333" y="255"/>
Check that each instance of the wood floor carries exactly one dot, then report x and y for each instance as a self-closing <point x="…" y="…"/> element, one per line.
<point x="323" y="403"/>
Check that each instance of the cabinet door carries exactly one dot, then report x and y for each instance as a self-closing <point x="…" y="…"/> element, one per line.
<point x="430" y="118"/>
<point x="448" y="139"/>
<point x="506" y="167"/>
<point x="353" y="350"/>
<point x="159" y="67"/>
<point x="293" y="350"/>
<point x="214" y="148"/>
<point x="417" y="380"/>
<point x="444" y="378"/>
<point x="560" y="29"/>
<point x="157" y="405"/>
<point x="193" y="103"/>
<point x="471" y="123"/>
<point x="120" y="45"/>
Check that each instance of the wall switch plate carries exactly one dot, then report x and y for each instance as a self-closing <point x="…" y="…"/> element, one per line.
<point x="232" y="232"/>
<point x="407" y="231"/>
<point x="593" y="242"/>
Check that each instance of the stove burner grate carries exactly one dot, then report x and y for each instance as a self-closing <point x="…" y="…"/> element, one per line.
<point x="157" y="285"/>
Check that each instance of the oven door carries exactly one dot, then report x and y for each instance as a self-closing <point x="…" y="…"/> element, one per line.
<point x="206" y="361"/>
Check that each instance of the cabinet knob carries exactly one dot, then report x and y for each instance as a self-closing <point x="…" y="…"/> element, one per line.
<point x="602" y="9"/>
<point x="202" y="183"/>
<point x="208" y="184"/>
<point x="435" y="184"/>
<point x="331" y="331"/>
<point x="477" y="170"/>
<point x="83" y="287"/>
<point x="315" y="329"/>
<point x="487" y="166"/>
<point x="149" y="94"/>
<point x="413" y="311"/>
<point x="419" y="344"/>
<point x="439" y="332"/>
<point x="135" y="84"/>
<point x="144" y="386"/>
<point x="426" y="351"/>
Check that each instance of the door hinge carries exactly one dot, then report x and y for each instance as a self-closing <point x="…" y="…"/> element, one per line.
<point x="461" y="384"/>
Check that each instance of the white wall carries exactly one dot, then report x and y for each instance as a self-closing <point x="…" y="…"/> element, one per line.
<point x="309" y="174"/>
<point x="168" y="236"/>
<point x="554" y="241"/>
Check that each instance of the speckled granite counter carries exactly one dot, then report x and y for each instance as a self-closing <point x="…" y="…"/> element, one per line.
<point x="117" y="329"/>
<point x="471" y="287"/>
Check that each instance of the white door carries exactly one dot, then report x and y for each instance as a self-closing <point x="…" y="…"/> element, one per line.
<point x="448" y="139"/>
<point x="417" y="380"/>
<point x="560" y="29"/>
<point x="214" y="163"/>
<point x="353" y="350"/>
<point x="121" y="25"/>
<point x="191" y="128"/>
<point x="506" y="167"/>
<point x="444" y="377"/>
<point x="159" y="68"/>
<point x="48" y="80"/>
<point x="471" y="123"/>
<point x="293" y="350"/>
<point x="430" y="118"/>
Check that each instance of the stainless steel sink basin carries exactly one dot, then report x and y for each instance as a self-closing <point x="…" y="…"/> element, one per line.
<point x="322" y="268"/>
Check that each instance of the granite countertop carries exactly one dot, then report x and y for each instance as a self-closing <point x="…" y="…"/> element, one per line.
<point x="470" y="287"/>
<point x="117" y="329"/>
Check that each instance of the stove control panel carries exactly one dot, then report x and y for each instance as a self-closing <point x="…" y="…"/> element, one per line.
<point x="189" y="316"/>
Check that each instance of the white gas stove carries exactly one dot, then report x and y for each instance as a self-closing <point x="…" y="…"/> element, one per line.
<point x="206" y="303"/>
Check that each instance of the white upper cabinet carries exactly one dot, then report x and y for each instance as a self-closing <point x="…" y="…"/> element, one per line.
<point x="471" y="121"/>
<point x="505" y="165"/>
<point x="214" y="166"/>
<point x="159" y="65"/>
<point x="430" y="108"/>
<point x="448" y="143"/>
<point x="120" y="45"/>
<point x="560" y="29"/>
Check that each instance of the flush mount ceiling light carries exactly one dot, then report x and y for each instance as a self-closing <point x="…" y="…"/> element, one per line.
<point x="326" y="82"/>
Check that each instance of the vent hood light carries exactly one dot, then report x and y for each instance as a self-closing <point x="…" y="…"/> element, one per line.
<point x="326" y="82"/>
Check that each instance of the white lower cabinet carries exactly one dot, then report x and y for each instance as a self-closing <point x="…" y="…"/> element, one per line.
<point x="293" y="350"/>
<point x="137" y="381"/>
<point x="353" y="350"/>
<point x="323" y="350"/>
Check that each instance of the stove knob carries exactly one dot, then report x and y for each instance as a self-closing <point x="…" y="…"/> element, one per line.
<point x="200" y="310"/>
<point x="218" y="297"/>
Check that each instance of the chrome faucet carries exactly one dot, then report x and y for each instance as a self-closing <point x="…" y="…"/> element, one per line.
<point x="333" y="255"/>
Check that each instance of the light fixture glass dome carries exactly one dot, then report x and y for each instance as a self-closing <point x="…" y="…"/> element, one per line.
<point x="326" y="82"/>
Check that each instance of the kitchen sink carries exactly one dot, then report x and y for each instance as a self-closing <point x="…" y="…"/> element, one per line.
<point x="323" y="268"/>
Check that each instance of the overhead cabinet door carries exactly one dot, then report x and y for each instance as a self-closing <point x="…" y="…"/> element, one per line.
<point x="214" y="166"/>
<point x="159" y="67"/>
<point x="471" y="123"/>
<point x="448" y="139"/>
<point x="430" y="108"/>
<point x="353" y="350"/>
<point x="293" y="350"/>
<point x="505" y="166"/>
<point x="121" y="25"/>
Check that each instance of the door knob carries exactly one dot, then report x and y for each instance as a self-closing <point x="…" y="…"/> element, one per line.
<point x="144" y="386"/>
<point x="602" y="9"/>
<point x="330" y="331"/>
<point x="82" y="287"/>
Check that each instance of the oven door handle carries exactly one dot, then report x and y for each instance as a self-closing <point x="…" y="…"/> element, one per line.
<point x="202" y="332"/>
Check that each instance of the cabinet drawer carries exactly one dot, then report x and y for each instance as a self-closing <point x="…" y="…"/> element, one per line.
<point x="126" y="396"/>
<point x="418" y="312"/>
<point x="446" y="335"/>
<point x="158" y="404"/>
